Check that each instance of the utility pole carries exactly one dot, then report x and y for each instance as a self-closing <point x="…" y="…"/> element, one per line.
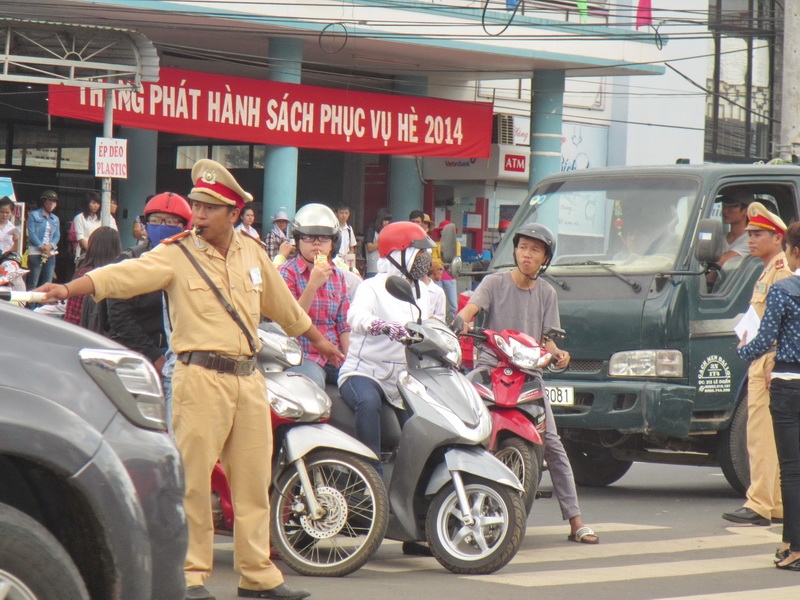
<point x="790" y="96"/>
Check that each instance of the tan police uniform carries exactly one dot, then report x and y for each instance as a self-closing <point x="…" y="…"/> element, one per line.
<point x="764" y="493"/>
<point x="217" y="415"/>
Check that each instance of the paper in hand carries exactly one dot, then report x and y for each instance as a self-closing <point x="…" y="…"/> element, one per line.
<point x="748" y="325"/>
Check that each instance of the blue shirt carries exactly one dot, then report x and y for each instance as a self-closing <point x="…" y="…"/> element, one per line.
<point x="781" y="322"/>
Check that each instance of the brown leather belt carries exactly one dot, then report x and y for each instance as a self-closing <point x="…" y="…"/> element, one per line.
<point x="219" y="362"/>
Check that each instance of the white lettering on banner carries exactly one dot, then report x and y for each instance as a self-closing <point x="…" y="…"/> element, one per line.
<point x="381" y="125"/>
<point x="233" y="109"/>
<point x="407" y="127"/>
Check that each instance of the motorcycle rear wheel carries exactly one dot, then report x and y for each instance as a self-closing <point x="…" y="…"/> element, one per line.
<point x="352" y="529"/>
<point x="491" y="542"/>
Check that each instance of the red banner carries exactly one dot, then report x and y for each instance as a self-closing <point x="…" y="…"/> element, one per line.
<point x="286" y="114"/>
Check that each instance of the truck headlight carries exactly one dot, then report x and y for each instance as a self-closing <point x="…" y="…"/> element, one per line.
<point x="646" y="363"/>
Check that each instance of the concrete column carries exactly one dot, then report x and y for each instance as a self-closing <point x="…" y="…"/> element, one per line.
<point x="280" y="163"/>
<point x="790" y="97"/>
<point x="406" y="190"/>
<point x="141" y="181"/>
<point x="547" y="107"/>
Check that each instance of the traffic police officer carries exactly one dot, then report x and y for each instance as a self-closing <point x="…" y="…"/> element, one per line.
<point x="220" y="408"/>
<point x="765" y="231"/>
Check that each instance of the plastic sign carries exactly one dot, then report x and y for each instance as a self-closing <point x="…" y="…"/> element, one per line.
<point x="111" y="158"/>
<point x="286" y="114"/>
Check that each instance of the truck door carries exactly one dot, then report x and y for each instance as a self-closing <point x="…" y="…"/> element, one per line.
<point x="715" y="308"/>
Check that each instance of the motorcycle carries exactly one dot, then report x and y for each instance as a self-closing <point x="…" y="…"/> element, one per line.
<point x="515" y="398"/>
<point x="328" y="507"/>
<point x="444" y="486"/>
<point x="12" y="275"/>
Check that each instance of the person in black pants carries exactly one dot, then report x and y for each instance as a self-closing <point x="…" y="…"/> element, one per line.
<point x="781" y="322"/>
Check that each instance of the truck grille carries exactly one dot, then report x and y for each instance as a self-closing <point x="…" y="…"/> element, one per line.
<point x="585" y="366"/>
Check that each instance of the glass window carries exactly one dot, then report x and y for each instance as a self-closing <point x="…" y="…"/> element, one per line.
<point x="259" y="156"/>
<point x="188" y="155"/>
<point x="77" y="159"/>
<point x="232" y="157"/>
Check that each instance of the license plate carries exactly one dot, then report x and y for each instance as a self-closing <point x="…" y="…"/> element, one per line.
<point x="561" y="395"/>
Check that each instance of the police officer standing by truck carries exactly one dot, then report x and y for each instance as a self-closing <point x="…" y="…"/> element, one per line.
<point x="765" y="231"/>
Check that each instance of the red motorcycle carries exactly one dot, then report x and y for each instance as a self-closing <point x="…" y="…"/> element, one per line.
<point x="515" y="398"/>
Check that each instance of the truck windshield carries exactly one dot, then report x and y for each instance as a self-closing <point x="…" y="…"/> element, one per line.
<point x="632" y="224"/>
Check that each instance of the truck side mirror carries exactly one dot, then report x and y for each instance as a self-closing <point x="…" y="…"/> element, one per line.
<point x="708" y="242"/>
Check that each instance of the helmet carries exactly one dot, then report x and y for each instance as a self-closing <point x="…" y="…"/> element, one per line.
<point x="536" y="231"/>
<point x="171" y="203"/>
<point x="402" y="235"/>
<point x="316" y="219"/>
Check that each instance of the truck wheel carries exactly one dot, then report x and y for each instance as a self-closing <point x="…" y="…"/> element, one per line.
<point x="33" y="565"/>
<point x="594" y="466"/>
<point x="732" y="449"/>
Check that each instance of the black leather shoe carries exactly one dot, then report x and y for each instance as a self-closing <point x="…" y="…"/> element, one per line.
<point x="199" y="592"/>
<point x="416" y="549"/>
<point x="282" y="592"/>
<point x="777" y="520"/>
<point x="746" y="516"/>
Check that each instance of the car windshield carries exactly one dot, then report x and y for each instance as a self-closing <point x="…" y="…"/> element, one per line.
<point x="633" y="224"/>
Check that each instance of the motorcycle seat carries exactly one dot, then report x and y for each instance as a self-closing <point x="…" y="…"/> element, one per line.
<point x="342" y="417"/>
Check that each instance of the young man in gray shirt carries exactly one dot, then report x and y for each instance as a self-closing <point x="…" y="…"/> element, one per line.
<point x="519" y="300"/>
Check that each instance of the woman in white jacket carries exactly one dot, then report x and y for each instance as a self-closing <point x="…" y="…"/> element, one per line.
<point x="375" y="357"/>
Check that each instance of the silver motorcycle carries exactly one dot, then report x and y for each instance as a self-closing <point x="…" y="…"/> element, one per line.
<point x="329" y="508"/>
<point x="444" y="486"/>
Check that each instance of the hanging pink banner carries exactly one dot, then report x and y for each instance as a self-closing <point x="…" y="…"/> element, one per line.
<point x="286" y="114"/>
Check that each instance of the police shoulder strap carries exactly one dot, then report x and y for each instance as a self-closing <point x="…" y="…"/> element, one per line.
<point x="234" y="315"/>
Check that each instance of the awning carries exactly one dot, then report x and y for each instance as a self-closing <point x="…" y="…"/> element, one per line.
<point x="48" y="53"/>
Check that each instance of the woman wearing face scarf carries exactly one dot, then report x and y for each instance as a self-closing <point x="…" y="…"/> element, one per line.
<point x="369" y="373"/>
<point x="138" y="323"/>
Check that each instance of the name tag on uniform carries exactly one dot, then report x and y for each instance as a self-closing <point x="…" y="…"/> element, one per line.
<point x="255" y="276"/>
<point x="761" y="287"/>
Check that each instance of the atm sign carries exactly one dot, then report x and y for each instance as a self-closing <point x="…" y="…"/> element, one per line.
<point x="515" y="163"/>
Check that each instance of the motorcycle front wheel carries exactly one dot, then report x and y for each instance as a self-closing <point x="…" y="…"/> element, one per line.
<point x="490" y="542"/>
<point x="525" y="460"/>
<point x="356" y="513"/>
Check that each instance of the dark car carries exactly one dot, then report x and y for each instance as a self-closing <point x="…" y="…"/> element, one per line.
<point x="91" y="487"/>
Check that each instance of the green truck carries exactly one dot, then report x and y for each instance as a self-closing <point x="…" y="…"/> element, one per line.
<point x="649" y="315"/>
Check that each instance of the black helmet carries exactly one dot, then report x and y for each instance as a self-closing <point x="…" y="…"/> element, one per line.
<point x="537" y="231"/>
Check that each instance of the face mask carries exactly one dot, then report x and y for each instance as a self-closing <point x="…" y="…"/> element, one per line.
<point x="157" y="233"/>
<point x="421" y="265"/>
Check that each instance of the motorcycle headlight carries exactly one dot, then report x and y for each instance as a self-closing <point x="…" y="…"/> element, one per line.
<point x="449" y="340"/>
<point x="130" y="382"/>
<point x="279" y="345"/>
<point x="283" y="406"/>
<point x="646" y="363"/>
<point x="519" y="354"/>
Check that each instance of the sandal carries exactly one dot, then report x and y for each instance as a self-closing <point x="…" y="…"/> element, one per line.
<point x="792" y="566"/>
<point x="581" y="536"/>
<point x="781" y="554"/>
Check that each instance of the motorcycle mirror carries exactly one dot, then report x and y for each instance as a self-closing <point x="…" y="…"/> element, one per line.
<point x="398" y="287"/>
<point x="456" y="266"/>
<point x="555" y="334"/>
<point x="448" y="242"/>
<point x="457" y="325"/>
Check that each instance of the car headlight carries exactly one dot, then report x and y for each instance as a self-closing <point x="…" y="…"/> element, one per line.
<point x="130" y="381"/>
<point x="646" y="363"/>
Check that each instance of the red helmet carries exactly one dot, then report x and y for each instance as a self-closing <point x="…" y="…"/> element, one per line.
<point x="171" y="203"/>
<point x="402" y="235"/>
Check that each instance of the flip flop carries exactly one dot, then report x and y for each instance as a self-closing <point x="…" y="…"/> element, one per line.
<point x="582" y="534"/>
<point x="792" y="566"/>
